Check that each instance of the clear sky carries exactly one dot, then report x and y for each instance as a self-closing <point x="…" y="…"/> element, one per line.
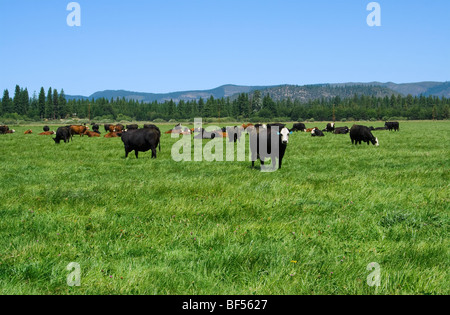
<point x="174" y="45"/>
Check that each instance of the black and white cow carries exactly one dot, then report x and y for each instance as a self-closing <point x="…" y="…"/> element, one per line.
<point x="269" y="143"/>
<point x="317" y="133"/>
<point x="360" y="134"/>
<point x="331" y="127"/>
<point x="341" y="130"/>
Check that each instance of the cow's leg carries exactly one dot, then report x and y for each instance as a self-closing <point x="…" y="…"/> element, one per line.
<point x="153" y="153"/>
<point x="136" y="152"/>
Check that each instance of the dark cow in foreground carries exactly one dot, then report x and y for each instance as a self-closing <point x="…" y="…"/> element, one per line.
<point x="141" y="140"/>
<point x="394" y="125"/>
<point x="331" y="127"/>
<point x="46" y="128"/>
<point x="298" y="127"/>
<point x="341" y="130"/>
<point x="360" y="134"/>
<point x="317" y="133"/>
<point x="266" y="137"/>
<point x="63" y="133"/>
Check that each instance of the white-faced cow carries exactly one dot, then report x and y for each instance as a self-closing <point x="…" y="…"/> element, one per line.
<point x="270" y="143"/>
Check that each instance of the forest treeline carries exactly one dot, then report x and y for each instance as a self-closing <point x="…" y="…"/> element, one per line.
<point x="257" y="106"/>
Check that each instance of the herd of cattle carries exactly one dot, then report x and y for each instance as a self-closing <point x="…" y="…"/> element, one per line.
<point x="148" y="138"/>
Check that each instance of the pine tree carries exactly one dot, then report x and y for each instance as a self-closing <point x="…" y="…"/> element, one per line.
<point x="17" y="100"/>
<point x="49" y="104"/>
<point x="55" y="101"/>
<point x="7" y="103"/>
<point x="24" y="102"/>
<point x="41" y="103"/>
<point x="63" y="108"/>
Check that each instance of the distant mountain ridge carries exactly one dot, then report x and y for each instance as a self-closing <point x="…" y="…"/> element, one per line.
<point x="303" y="93"/>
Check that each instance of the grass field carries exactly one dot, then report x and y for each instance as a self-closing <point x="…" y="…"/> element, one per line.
<point x="161" y="227"/>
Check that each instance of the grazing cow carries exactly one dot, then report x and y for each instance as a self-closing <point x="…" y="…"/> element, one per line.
<point x="28" y="132"/>
<point x="360" y="134"/>
<point x="341" y="130"/>
<point x="46" y="128"/>
<point x="91" y="134"/>
<point x="280" y="138"/>
<point x="317" y="133"/>
<point x="394" y="125"/>
<point x="3" y="129"/>
<point x="142" y="140"/>
<point x="46" y="133"/>
<point x="330" y="127"/>
<point x="78" y="130"/>
<point x="298" y="127"/>
<point x="63" y="133"/>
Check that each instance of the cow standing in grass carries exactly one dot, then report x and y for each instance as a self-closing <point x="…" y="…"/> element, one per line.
<point x="360" y="134"/>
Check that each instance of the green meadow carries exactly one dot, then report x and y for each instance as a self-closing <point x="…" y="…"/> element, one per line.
<point x="160" y="227"/>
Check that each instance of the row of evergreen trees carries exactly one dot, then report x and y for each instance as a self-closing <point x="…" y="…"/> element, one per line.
<point x="254" y="107"/>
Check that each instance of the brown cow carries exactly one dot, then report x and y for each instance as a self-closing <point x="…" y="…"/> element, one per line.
<point x="46" y="133"/>
<point x="311" y="129"/>
<point x="245" y="126"/>
<point x="78" y="130"/>
<point x="112" y="135"/>
<point x="116" y="128"/>
<point x="91" y="134"/>
<point x="28" y="132"/>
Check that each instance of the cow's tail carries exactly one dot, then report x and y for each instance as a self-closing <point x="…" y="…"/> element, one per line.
<point x="159" y="144"/>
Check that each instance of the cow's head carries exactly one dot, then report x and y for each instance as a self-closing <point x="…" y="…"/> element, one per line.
<point x="284" y="135"/>
<point x="376" y="142"/>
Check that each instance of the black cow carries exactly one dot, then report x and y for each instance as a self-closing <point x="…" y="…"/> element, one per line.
<point x="330" y="127"/>
<point x="3" y="129"/>
<point x="46" y="128"/>
<point x="265" y="136"/>
<point x="142" y="140"/>
<point x="341" y="130"/>
<point x="132" y="127"/>
<point x="150" y="126"/>
<point x="63" y="133"/>
<point x="298" y="127"/>
<point x="394" y="125"/>
<point x="96" y="128"/>
<point x="234" y="133"/>
<point x="360" y="134"/>
<point x="317" y="133"/>
<point x="107" y="127"/>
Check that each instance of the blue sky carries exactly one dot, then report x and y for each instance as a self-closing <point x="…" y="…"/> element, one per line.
<point x="174" y="45"/>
